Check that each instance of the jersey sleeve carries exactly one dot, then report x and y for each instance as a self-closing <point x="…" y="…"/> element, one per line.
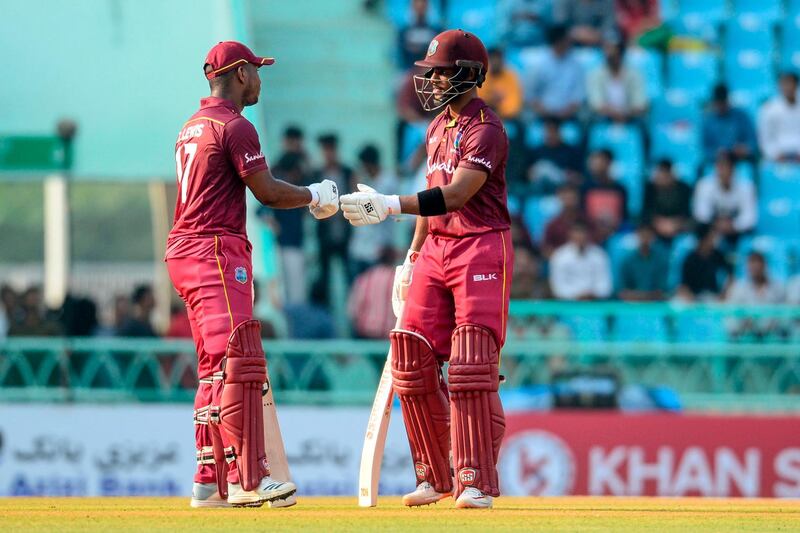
<point x="241" y="145"/>
<point x="482" y="148"/>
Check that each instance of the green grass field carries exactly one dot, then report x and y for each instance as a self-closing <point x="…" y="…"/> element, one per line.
<point x="686" y="515"/>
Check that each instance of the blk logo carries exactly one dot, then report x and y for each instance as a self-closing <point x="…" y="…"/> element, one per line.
<point x="484" y="277"/>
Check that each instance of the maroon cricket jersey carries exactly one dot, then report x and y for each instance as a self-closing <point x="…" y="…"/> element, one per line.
<point x="216" y="148"/>
<point x="475" y="139"/>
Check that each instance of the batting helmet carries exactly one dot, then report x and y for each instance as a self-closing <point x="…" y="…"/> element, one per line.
<point x="453" y="49"/>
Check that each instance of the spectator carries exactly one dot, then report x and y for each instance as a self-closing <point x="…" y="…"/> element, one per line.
<point x="705" y="270"/>
<point x="755" y="289"/>
<point x="78" y="317"/>
<point x="727" y="202"/>
<point x="8" y="309"/>
<point x="138" y="323"/>
<point x="636" y="17"/>
<point x="501" y="89"/>
<point x="667" y="202"/>
<point x="580" y="270"/>
<point x="370" y="302"/>
<point x="554" y="163"/>
<point x="604" y="200"/>
<point x="616" y="92"/>
<point x="413" y="40"/>
<point x="557" y="231"/>
<point x="294" y="143"/>
<point x="33" y="320"/>
<point x="179" y="325"/>
<point x="590" y="21"/>
<point x="727" y="128"/>
<point x="528" y="282"/>
<point x="779" y="123"/>
<point x="333" y="234"/>
<point x="367" y="242"/>
<point x="289" y="233"/>
<point x="642" y="273"/>
<point x="557" y="86"/>
<point x="522" y="22"/>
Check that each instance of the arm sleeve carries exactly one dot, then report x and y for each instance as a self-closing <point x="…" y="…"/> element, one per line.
<point x="748" y="214"/>
<point x="602" y="281"/>
<point x="594" y="89"/>
<point x="559" y="284"/>
<point x="482" y="148"/>
<point x="766" y="137"/>
<point x="242" y="148"/>
<point x="702" y="209"/>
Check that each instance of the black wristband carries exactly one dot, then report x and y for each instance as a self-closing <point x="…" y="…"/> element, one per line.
<point x="431" y="202"/>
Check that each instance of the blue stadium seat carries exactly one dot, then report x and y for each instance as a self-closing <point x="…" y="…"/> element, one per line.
<point x="749" y="32"/>
<point x="625" y="142"/>
<point x="680" y="142"/>
<point x="570" y="132"/>
<point x="767" y="10"/>
<point x="537" y="213"/>
<point x="790" y="40"/>
<point x="399" y="12"/>
<point x="692" y="72"/>
<point x="674" y="107"/>
<point x="709" y="10"/>
<point x="775" y="251"/>
<point x="476" y="16"/>
<point x="668" y="10"/>
<point x="749" y="71"/>
<point x="650" y="65"/>
<point x="779" y="201"/>
<point x="700" y="18"/>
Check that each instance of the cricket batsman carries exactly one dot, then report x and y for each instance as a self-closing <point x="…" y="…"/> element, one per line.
<point x="218" y="156"/>
<point x="453" y="288"/>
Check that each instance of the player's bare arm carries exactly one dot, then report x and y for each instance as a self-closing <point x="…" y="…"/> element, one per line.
<point x="368" y="206"/>
<point x="321" y="198"/>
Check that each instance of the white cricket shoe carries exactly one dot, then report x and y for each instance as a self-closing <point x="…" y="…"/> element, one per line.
<point x="473" y="498"/>
<point x="424" y="494"/>
<point x="206" y="495"/>
<point x="269" y="490"/>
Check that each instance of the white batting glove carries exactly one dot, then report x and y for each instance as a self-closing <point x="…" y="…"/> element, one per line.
<point x="402" y="281"/>
<point x="324" y="199"/>
<point x="368" y="206"/>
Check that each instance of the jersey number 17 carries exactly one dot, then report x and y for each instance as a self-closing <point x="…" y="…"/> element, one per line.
<point x="189" y="150"/>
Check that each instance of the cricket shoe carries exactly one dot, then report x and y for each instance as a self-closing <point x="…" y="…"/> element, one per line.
<point x="268" y="490"/>
<point x="473" y="498"/>
<point x="424" y="494"/>
<point x="206" y="495"/>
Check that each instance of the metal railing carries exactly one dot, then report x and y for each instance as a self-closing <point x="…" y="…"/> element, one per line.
<point x="687" y="348"/>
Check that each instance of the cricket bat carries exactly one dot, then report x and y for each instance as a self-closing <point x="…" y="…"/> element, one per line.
<point x="273" y="445"/>
<point x="369" y="474"/>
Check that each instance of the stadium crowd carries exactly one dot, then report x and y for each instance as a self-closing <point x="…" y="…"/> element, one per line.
<point x="654" y="155"/>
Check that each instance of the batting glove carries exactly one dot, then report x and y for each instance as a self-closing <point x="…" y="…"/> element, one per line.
<point x="402" y="281"/>
<point x="368" y="206"/>
<point x="324" y="199"/>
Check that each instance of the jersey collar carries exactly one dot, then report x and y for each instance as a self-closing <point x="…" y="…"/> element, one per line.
<point x="473" y="107"/>
<point x="215" y="101"/>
